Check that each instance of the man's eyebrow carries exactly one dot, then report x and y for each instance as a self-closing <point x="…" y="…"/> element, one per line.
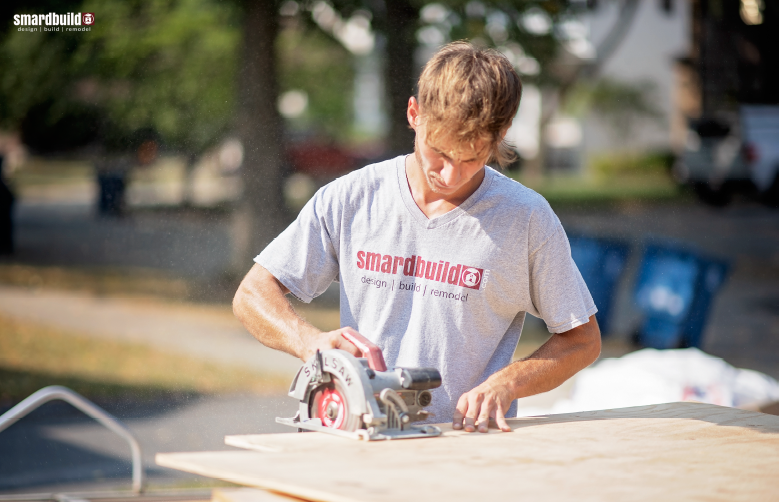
<point x="448" y="156"/>
<point x="472" y="159"/>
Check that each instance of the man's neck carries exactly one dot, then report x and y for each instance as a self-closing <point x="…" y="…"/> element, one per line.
<point x="431" y="202"/>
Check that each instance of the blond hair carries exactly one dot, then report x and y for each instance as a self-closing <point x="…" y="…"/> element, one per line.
<point x="470" y="95"/>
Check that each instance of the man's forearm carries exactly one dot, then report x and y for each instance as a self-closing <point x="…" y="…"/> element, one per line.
<point x="560" y="358"/>
<point x="557" y="360"/>
<point x="261" y="305"/>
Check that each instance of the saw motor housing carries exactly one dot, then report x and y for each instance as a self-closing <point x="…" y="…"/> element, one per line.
<point x="342" y="394"/>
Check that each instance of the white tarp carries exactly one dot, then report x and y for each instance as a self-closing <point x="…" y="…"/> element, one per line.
<point x="651" y="376"/>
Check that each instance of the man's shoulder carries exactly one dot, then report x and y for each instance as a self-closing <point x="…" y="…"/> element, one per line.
<point x="520" y="208"/>
<point x="511" y="194"/>
<point x="366" y="179"/>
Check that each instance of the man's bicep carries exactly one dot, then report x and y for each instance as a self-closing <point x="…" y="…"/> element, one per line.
<point x="587" y="331"/>
<point x="585" y="338"/>
<point x="259" y="277"/>
<point x="255" y="290"/>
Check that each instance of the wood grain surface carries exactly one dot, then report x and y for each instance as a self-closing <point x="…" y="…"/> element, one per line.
<point x="676" y="451"/>
<point x="248" y="495"/>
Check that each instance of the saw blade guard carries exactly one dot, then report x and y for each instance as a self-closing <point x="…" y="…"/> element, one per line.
<point x="341" y="372"/>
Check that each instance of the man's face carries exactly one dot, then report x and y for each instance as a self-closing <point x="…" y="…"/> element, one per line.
<point x="446" y="166"/>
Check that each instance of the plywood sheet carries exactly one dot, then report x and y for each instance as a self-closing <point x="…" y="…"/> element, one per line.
<point x="248" y="495"/>
<point x="682" y="451"/>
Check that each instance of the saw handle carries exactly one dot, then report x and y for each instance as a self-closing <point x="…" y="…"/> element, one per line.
<point x="376" y="361"/>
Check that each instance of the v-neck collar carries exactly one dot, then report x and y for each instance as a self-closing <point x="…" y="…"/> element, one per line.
<point x="416" y="212"/>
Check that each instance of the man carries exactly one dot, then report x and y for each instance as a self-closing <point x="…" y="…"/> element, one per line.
<point x="438" y="256"/>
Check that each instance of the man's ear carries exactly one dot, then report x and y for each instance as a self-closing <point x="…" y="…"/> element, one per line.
<point x="413" y="113"/>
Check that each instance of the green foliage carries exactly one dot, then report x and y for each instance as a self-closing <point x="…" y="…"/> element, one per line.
<point x="491" y="23"/>
<point x="542" y="47"/>
<point x="169" y="65"/>
<point x="628" y="164"/>
<point x="500" y="24"/>
<point x="35" y="68"/>
<point x="311" y="61"/>
<point x="172" y="65"/>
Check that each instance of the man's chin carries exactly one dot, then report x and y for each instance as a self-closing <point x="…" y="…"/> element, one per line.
<point x="440" y="189"/>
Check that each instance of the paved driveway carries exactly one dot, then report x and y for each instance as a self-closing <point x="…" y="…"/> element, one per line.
<point x="58" y="448"/>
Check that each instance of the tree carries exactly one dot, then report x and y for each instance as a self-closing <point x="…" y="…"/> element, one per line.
<point x="406" y="25"/>
<point x="533" y="34"/>
<point x="261" y="215"/>
<point x="150" y="64"/>
<point x="313" y="63"/>
<point x="399" y="26"/>
<point x="143" y="65"/>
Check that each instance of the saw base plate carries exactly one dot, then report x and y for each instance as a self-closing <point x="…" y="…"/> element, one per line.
<point x="416" y="431"/>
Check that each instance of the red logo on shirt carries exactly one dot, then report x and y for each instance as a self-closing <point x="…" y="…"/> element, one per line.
<point x="471" y="277"/>
<point x="457" y="275"/>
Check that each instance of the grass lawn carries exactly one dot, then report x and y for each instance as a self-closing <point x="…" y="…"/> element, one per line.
<point x="33" y="356"/>
<point x="562" y="190"/>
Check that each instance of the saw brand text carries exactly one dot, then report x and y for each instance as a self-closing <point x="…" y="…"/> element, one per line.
<point x="333" y="366"/>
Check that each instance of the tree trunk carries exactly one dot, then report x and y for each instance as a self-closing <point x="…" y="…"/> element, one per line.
<point x="400" y="71"/>
<point x="261" y="214"/>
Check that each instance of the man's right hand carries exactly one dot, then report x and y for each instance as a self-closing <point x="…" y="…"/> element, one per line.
<point x="329" y="340"/>
<point x="261" y="306"/>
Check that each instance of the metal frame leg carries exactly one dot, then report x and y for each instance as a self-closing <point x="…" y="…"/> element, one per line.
<point x="89" y="408"/>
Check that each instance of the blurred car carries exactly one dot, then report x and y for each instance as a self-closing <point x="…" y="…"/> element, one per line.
<point x="721" y="159"/>
<point x="321" y="159"/>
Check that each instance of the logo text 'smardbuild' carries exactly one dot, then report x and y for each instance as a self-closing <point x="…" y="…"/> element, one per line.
<point x="442" y="271"/>
<point x="70" y="21"/>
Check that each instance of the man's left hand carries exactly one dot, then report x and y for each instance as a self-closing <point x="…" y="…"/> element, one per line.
<point x="476" y="408"/>
<point x="561" y="356"/>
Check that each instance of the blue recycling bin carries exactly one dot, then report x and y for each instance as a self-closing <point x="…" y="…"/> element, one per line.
<point x="601" y="263"/>
<point x="674" y="291"/>
<point x="712" y="275"/>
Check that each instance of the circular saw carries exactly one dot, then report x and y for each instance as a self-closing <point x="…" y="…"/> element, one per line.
<point x="358" y="397"/>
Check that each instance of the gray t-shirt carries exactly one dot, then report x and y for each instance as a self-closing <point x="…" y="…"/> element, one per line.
<point x="449" y="292"/>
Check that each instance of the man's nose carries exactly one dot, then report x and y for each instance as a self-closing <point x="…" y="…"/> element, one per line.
<point x="450" y="173"/>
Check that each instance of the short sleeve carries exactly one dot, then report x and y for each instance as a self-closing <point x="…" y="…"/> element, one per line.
<point x="557" y="289"/>
<point x="304" y="257"/>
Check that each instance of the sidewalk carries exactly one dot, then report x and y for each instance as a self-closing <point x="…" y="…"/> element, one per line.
<point x="57" y="448"/>
<point x="208" y="332"/>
